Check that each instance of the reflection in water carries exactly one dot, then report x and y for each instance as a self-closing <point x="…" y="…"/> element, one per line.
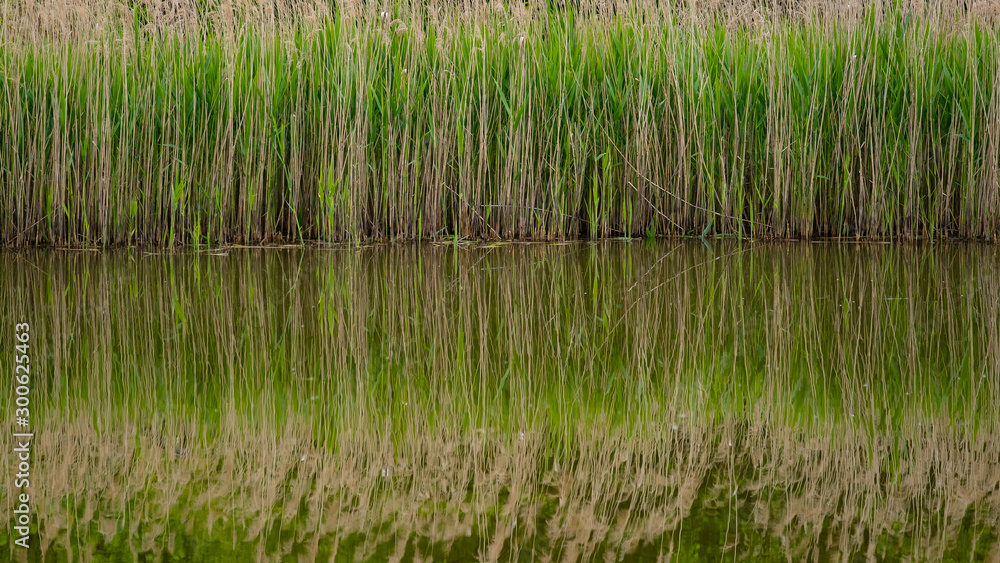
<point x="554" y="402"/>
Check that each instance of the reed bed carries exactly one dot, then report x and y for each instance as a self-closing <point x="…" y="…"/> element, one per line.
<point x="498" y="401"/>
<point x="186" y="123"/>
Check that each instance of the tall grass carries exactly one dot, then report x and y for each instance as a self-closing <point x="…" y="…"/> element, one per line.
<point x="588" y="392"/>
<point x="166" y="124"/>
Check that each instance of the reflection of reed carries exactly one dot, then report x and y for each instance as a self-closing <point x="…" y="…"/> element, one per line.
<point x="311" y="395"/>
<point x="829" y="492"/>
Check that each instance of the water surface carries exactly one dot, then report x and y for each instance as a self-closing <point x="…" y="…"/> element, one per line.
<point x="561" y="402"/>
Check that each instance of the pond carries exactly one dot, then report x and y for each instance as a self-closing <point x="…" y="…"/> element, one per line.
<point x="650" y="401"/>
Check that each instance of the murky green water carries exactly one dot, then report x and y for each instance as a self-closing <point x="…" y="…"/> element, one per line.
<point x="585" y="401"/>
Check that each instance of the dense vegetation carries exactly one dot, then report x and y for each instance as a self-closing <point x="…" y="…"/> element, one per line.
<point x="186" y="123"/>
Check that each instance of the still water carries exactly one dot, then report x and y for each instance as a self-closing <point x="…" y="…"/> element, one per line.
<point x="667" y="401"/>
